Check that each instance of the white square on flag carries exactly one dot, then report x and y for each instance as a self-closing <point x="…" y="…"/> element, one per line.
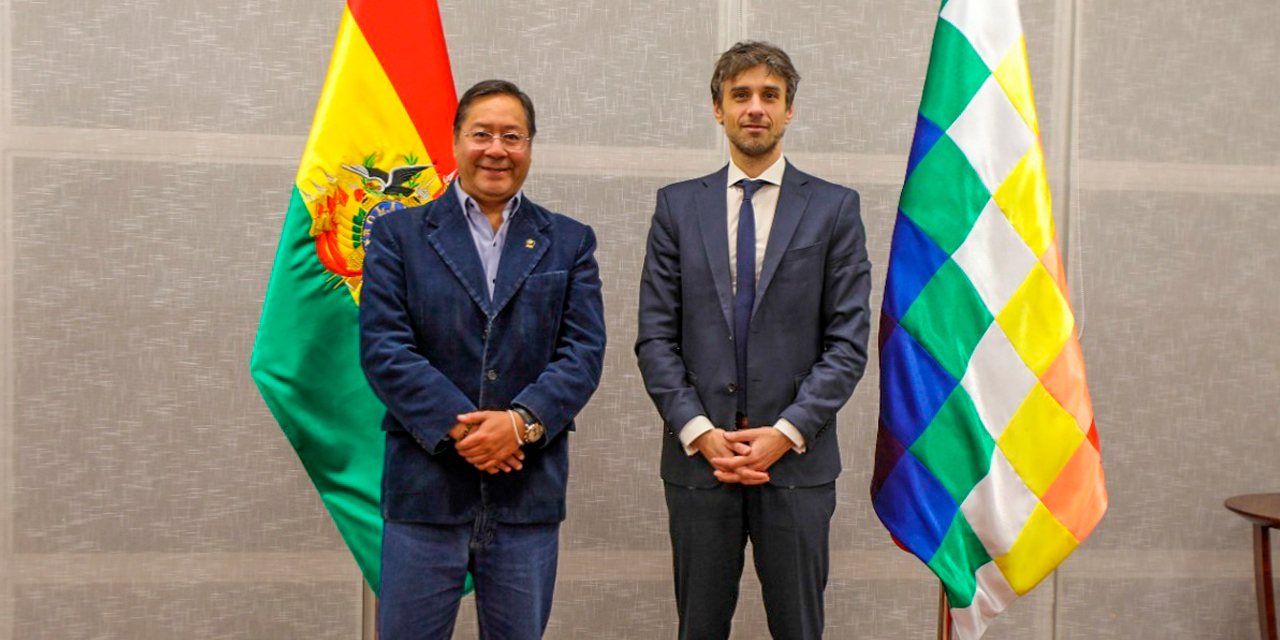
<point x="995" y="258"/>
<point x="997" y="380"/>
<point x="991" y="26"/>
<point x="999" y="506"/>
<point x="992" y="134"/>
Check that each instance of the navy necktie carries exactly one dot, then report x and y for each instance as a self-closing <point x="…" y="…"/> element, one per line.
<point x="745" y="299"/>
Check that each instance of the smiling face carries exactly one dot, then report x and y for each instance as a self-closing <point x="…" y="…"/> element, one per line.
<point x="753" y="110"/>
<point x="492" y="174"/>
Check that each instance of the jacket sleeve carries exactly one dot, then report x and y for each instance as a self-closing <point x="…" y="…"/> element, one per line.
<point x="565" y="386"/>
<point x="416" y="393"/>
<point x="658" y="336"/>
<point x="846" y="326"/>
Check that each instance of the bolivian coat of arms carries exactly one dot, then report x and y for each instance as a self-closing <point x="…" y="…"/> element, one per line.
<point x="344" y="209"/>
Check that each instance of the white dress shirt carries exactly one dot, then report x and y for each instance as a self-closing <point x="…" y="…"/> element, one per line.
<point x="765" y="204"/>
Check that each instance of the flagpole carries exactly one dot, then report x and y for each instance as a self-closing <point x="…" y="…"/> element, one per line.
<point x="368" y="614"/>
<point x="944" y="614"/>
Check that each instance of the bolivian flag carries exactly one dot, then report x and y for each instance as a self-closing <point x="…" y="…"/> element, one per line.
<point x="381" y="141"/>
<point x="988" y="465"/>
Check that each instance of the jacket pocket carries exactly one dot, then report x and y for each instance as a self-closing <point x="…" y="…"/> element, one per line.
<point x="547" y="282"/>
<point x="802" y="253"/>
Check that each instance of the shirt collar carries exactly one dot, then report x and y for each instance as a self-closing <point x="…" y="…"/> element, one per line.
<point x="772" y="175"/>
<point x="467" y="202"/>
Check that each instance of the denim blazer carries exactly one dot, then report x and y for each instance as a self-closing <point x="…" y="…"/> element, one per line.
<point x="433" y="345"/>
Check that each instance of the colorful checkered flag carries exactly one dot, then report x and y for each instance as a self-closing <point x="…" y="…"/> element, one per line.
<point x="987" y="464"/>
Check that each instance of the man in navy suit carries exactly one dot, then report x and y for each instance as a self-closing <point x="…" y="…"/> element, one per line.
<point x="482" y="330"/>
<point x="753" y="333"/>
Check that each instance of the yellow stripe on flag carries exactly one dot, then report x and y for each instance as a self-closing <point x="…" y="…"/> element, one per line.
<point x="359" y="113"/>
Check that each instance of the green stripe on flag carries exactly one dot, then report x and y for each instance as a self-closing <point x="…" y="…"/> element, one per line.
<point x="306" y="363"/>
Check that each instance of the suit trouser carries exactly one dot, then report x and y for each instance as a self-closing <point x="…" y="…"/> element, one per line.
<point x="789" y="531"/>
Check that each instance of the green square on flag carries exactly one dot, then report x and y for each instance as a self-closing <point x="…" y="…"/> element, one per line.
<point x="956" y="72"/>
<point x="955" y="447"/>
<point x="957" y="561"/>
<point x="944" y="195"/>
<point x="948" y="318"/>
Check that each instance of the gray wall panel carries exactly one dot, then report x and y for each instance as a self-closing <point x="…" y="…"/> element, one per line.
<point x="208" y="611"/>
<point x="138" y="286"/>
<point x="1124" y="609"/>
<point x="1180" y="340"/>
<point x="1189" y="82"/>
<point x="176" y="65"/>
<point x="608" y="73"/>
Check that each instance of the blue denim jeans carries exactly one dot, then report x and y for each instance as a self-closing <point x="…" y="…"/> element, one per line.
<point x="424" y="567"/>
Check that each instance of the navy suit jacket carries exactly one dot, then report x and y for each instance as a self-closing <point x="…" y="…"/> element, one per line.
<point x="433" y="345"/>
<point x="808" y="343"/>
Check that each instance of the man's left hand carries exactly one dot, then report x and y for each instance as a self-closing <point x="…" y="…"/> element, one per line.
<point x="767" y="446"/>
<point x="492" y="440"/>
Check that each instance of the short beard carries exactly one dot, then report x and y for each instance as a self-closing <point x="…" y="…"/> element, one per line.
<point x="756" y="149"/>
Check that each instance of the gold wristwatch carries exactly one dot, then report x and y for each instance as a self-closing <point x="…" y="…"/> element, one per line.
<point x="532" y="429"/>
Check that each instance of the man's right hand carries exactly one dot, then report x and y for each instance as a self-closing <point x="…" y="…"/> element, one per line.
<point x="460" y="431"/>
<point x="713" y="444"/>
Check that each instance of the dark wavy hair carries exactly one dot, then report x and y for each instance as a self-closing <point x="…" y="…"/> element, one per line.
<point x="750" y="53"/>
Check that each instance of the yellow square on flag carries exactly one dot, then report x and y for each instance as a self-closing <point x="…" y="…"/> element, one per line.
<point x="1037" y="320"/>
<point x="1042" y="546"/>
<point x="1013" y="76"/>
<point x="1040" y="440"/>
<point x="1024" y="198"/>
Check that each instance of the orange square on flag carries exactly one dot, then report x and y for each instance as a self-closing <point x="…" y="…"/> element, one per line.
<point x="1078" y="497"/>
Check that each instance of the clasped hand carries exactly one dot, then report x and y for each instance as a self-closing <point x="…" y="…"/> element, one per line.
<point x="743" y="456"/>
<point x="487" y="441"/>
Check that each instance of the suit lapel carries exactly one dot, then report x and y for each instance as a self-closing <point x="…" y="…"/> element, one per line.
<point x="792" y="200"/>
<point x="451" y="238"/>
<point x="711" y="203"/>
<point x="525" y="245"/>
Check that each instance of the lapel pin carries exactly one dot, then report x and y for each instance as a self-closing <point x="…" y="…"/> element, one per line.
<point x="529" y="244"/>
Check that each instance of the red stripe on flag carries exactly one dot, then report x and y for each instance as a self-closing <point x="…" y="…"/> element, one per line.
<point x="408" y="39"/>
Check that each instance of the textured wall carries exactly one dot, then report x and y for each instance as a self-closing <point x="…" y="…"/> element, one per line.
<point x="148" y="148"/>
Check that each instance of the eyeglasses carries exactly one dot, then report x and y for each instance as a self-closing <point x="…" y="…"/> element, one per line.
<point x="511" y="140"/>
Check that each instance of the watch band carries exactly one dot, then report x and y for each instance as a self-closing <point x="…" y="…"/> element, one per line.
<point x="526" y="415"/>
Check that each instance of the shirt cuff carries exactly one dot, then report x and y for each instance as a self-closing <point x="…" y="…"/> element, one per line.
<point x="791" y="432"/>
<point x="694" y="428"/>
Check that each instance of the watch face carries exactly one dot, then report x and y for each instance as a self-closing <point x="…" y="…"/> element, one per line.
<point x="533" y="432"/>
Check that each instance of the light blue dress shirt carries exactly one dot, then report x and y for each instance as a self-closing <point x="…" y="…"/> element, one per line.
<point x="488" y="242"/>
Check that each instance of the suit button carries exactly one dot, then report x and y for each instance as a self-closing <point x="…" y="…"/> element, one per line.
<point x="492" y="375"/>
<point x="732" y="388"/>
